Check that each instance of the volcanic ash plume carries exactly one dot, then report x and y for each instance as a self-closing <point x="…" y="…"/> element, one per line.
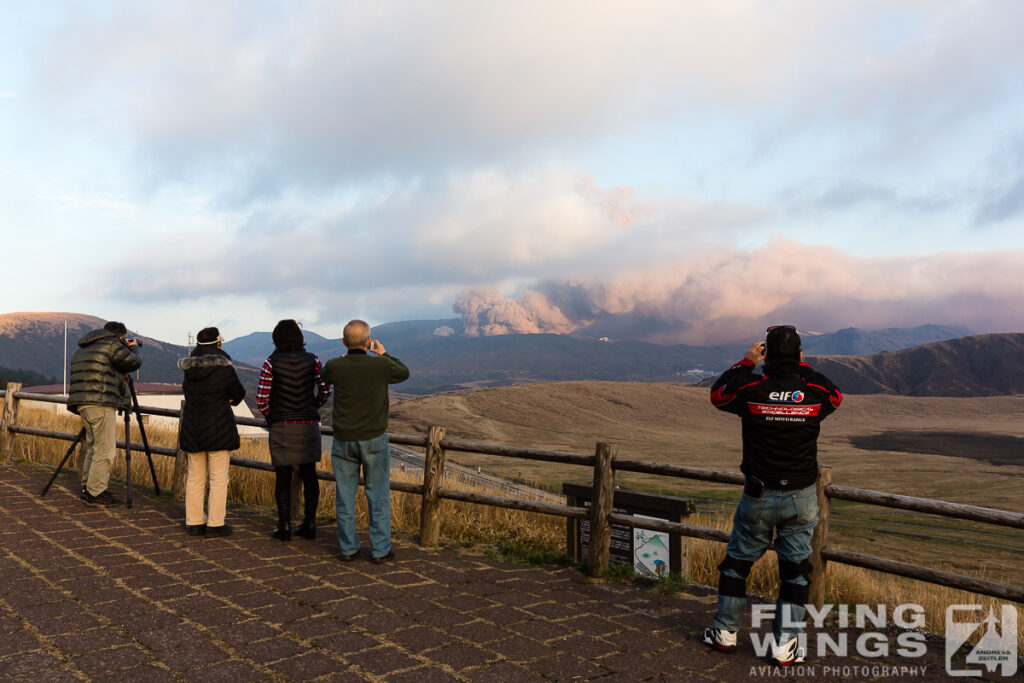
<point x="729" y="296"/>
<point x="486" y="312"/>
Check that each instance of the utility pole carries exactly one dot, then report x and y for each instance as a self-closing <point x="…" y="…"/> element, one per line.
<point x="64" y="380"/>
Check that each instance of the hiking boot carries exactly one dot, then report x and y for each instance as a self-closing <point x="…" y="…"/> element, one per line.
<point x="109" y="499"/>
<point x="384" y="558"/>
<point x="91" y="500"/>
<point x="218" y="531"/>
<point x="788" y="654"/>
<point x="719" y="639"/>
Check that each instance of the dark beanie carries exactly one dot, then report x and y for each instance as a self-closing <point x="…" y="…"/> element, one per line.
<point x="288" y="336"/>
<point x="208" y="335"/>
<point x="782" y="343"/>
<point x="115" y="327"/>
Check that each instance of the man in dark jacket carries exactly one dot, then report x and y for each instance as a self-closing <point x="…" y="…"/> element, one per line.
<point x="98" y="389"/>
<point x="781" y="411"/>
<point x="360" y="421"/>
<point x="208" y="431"/>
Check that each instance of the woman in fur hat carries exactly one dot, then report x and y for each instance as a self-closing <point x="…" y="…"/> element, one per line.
<point x="208" y="431"/>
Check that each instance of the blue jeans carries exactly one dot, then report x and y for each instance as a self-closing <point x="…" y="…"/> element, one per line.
<point x="374" y="456"/>
<point x="793" y="515"/>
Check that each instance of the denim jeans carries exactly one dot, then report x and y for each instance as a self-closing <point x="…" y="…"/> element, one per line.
<point x="374" y="456"/>
<point x="793" y="516"/>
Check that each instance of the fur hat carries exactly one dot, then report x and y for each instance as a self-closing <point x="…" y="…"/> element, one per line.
<point x="209" y="335"/>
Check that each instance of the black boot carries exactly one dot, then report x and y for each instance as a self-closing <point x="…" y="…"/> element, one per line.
<point x="283" y="531"/>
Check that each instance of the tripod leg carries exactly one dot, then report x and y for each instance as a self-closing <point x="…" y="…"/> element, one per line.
<point x="142" y="430"/>
<point x="128" y="456"/>
<point x="71" y="449"/>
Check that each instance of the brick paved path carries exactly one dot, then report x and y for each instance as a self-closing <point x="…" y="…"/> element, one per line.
<point x="126" y="595"/>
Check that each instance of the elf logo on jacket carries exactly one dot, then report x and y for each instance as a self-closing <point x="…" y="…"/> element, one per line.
<point x="787" y="396"/>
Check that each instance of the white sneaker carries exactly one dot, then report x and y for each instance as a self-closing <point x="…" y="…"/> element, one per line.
<point x="788" y="654"/>
<point x="719" y="639"/>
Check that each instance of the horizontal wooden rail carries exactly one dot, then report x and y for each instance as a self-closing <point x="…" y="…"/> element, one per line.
<point x="517" y="452"/>
<point x="668" y="527"/>
<point x="64" y="436"/>
<point x="678" y="471"/>
<point x="927" y="574"/>
<point x="515" y="503"/>
<point x="405" y="439"/>
<point x="935" y="507"/>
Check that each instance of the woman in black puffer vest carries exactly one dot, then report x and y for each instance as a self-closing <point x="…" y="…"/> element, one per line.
<point x="290" y="393"/>
<point x="208" y="431"/>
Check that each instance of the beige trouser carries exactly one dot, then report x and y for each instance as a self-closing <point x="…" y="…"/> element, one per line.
<point x="100" y="424"/>
<point x="217" y="462"/>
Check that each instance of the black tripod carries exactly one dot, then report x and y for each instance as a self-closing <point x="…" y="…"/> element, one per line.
<point x="127" y="447"/>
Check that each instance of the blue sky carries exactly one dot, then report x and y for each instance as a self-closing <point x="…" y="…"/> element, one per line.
<point x="538" y="166"/>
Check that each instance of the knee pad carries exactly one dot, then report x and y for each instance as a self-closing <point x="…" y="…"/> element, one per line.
<point x="794" y="593"/>
<point x="729" y="585"/>
<point x="791" y="570"/>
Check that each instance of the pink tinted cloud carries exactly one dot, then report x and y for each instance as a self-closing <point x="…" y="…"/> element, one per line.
<point x="732" y="294"/>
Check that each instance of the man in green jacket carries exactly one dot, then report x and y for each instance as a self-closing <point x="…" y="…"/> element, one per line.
<point x="98" y="389"/>
<point x="360" y="421"/>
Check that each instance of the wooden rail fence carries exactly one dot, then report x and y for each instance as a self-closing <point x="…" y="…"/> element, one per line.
<point x="604" y="464"/>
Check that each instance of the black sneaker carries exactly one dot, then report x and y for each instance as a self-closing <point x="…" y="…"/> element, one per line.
<point x="385" y="558"/>
<point x="91" y="500"/>
<point x="109" y="499"/>
<point x="218" y="531"/>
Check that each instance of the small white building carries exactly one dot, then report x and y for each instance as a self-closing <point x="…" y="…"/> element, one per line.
<point x="150" y="394"/>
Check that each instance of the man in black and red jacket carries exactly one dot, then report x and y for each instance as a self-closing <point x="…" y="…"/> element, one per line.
<point x="781" y="410"/>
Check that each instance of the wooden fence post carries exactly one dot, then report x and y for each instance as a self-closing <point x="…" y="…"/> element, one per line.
<point x="433" y="471"/>
<point x="180" y="461"/>
<point x="820" y="539"/>
<point x="604" y="494"/>
<point x="10" y="418"/>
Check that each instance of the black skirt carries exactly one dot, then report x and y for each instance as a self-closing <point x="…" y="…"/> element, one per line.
<point x="294" y="443"/>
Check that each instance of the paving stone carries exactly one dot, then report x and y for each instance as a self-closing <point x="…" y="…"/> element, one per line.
<point x="478" y="632"/>
<point x="383" y="660"/>
<point x="246" y="632"/>
<point x="306" y="666"/>
<point x="89" y="640"/>
<point x="427" y="674"/>
<point x="93" y="664"/>
<point x="502" y="672"/>
<point x="520" y="649"/>
<point x="314" y="627"/>
<point x="271" y="649"/>
<point x="28" y="662"/>
<point x="443" y="617"/>
<point x="566" y="667"/>
<point x="381" y="622"/>
<point x="19" y="641"/>
<point x="345" y="642"/>
<point x="461" y="655"/>
<point x="419" y="638"/>
<point x="227" y="672"/>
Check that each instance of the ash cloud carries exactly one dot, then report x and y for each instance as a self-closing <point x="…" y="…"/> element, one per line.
<point x="734" y="295"/>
